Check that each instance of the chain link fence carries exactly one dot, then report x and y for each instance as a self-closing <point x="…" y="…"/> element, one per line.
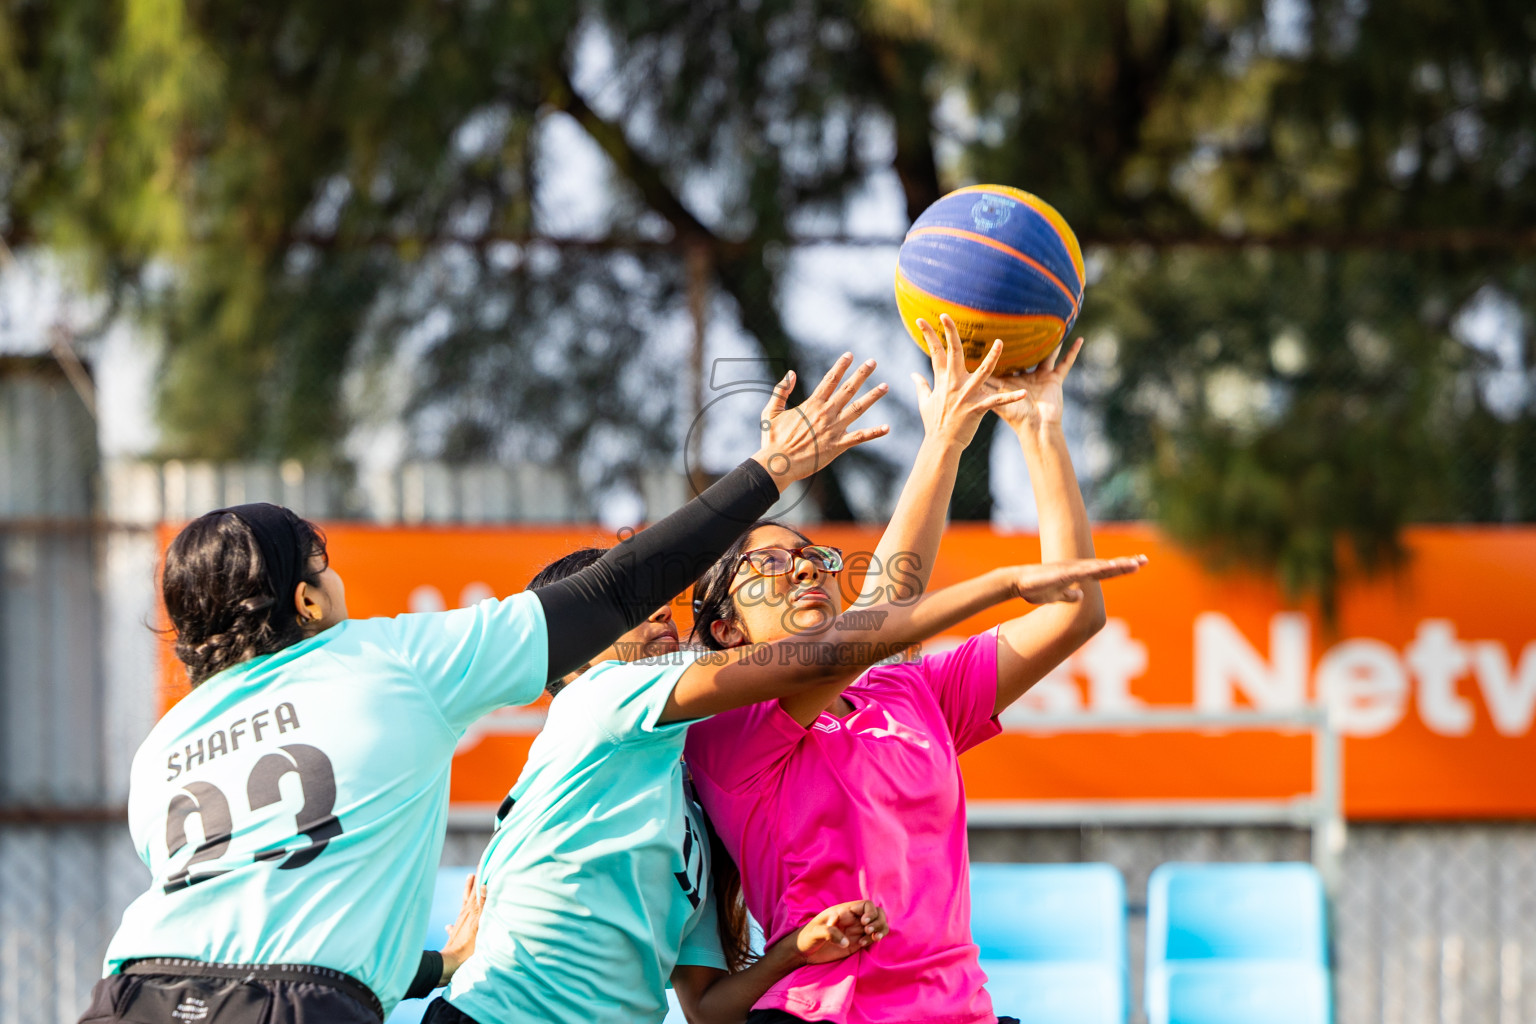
<point x="1431" y="924"/>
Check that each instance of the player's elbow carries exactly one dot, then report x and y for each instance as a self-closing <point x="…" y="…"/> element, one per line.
<point x="1087" y="621"/>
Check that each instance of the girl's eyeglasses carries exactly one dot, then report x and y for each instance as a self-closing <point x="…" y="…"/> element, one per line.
<point x="781" y="561"/>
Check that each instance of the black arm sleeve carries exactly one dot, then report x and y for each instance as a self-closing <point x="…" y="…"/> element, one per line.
<point x="429" y="974"/>
<point x="591" y="609"/>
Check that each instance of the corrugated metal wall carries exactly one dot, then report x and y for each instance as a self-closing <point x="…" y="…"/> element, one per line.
<point x="65" y="870"/>
<point x="420" y="492"/>
<point x="1433" y="924"/>
<point x="51" y="706"/>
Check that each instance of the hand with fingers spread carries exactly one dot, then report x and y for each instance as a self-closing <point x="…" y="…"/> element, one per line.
<point x="461" y="934"/>
<point x="841" y="931"/>
<point x="797" y="442"/>
<point x="1043" y="388"/>
<point x="1061" y="581"/>
<point x="953" y="407"/>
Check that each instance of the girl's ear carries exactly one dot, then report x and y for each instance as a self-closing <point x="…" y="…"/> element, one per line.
<point x="306" y="601"/>
<point x="726" y="633"/>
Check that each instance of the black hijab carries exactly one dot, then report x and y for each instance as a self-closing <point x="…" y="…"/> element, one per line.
<point x="277" y="538"/>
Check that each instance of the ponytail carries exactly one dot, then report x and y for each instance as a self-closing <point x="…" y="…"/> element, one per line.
<point x="730" y="907"/>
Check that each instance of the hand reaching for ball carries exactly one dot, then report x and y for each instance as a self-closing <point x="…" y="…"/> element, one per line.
<point x="1044" y="387"/>
<point x="953" y="406"/>
<point x="797" y="442"/>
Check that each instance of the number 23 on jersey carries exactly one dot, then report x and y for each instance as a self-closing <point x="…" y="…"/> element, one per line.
<point x="217" y="811"/>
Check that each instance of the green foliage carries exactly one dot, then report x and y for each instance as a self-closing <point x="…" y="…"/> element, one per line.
<point x="1269" y="407"/>
<point x="1288" y="203"/>
<point x="1332" y="191"/>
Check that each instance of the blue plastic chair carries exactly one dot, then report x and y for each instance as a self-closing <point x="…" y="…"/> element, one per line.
<point x="1247" y="991"/>
<point x="447" y="897"/>
<point x="1220" y="927"/>
<point x="1052" y="941"/>
<point x="1060" y="992"/>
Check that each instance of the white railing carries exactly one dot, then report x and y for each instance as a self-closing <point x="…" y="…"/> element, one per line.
<point x="413" y="493"/>
<point x="1321" y="810"/>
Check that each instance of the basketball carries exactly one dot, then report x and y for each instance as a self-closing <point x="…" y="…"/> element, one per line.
<point x="1002" y="263"/>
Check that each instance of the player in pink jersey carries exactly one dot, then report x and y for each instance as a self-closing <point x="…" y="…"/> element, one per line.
<point x="855" y="787"/>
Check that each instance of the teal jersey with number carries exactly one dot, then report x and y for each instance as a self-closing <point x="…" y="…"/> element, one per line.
<point x="291" y="809"/>
<point x="598" y="877"/>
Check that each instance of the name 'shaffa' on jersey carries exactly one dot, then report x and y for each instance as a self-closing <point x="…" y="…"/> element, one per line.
<point x="261" y="727"/>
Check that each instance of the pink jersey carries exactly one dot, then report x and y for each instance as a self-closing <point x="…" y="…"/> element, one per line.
<point x="870" y="806"/>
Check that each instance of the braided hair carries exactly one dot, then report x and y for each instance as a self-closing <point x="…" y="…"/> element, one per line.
<point x="219" y="596"/>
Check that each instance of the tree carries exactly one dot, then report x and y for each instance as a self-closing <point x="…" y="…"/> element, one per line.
<point x="1287" y="206"/>
<point x="1291" y="203"/>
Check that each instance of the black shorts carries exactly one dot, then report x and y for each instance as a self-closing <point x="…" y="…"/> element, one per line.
<point x="783" y="1017"/>
<point x="169" y="999"/>
<point x="441" y="1011"/>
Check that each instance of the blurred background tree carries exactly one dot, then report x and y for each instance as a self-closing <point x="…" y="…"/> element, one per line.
<point x="1310" y="225"/>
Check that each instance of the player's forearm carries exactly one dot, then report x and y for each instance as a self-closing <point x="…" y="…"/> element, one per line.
<point x="729" y="999"/>
<point x="867" y="636"/>
<point x="826" y="656"/>
<point x="904" y="558"/>
<point x="894" y="625"/>
<point x="1064" y="529"/>
<point x="586" y="612"/>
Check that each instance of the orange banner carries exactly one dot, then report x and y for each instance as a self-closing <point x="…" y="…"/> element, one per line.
<point x="1432" y="670"/>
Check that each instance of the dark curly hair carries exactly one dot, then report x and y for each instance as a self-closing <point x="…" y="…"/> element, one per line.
<point x="219" y="598"/>
<point x="712" y="594"/>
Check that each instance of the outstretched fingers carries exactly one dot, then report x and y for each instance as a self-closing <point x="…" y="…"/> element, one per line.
<point x="843" y="395"/>
<point x="936" y="346"/>
<point x="1061" y="581"/>
<point x="1002" y="398"/>
<point x="779" y="398"/>
<point x="1096" y="569"/>
<point x="829" y="382"/>
<point x="859" y="406"/>
<point x="924" y="390"/>
<point x="1070" y="357"/>
<point x="989" y="364"/>
<point x="1105" y="568"/>
<point x="954" y="349"/>
<point x="854" y="438"/>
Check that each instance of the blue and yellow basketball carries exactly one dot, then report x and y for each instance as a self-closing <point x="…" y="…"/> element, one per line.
<point x="1002" y="263"/>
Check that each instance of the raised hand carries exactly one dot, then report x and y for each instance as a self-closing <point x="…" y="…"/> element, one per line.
<point x="797" y="442"/>
<point x="1059" y="581"/>
<point x="1042" y="385"/>
<point x="841" y="931"/>
<point x="952" y="408"/>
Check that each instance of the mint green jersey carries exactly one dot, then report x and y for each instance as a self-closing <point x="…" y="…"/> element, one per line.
<point x="598" y="877"/>
<point x="291" y="809"/>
